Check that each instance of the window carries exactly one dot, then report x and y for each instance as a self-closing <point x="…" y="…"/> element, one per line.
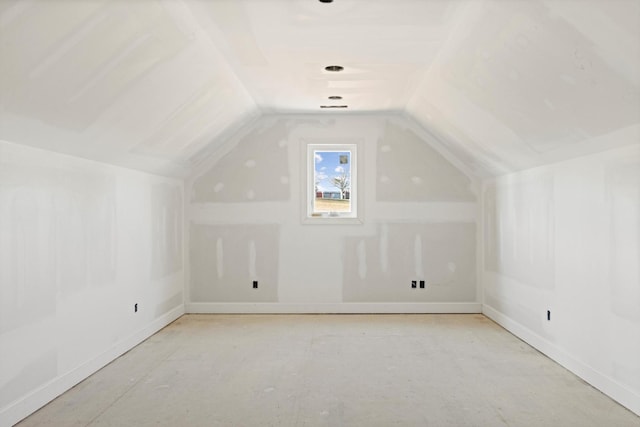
<point x="331" y="183"/>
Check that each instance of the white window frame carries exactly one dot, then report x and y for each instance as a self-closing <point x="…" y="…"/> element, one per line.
<point x="309" y="193"/>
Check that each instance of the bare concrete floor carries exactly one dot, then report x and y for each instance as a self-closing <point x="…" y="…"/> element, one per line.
<point x="333" y="370"/>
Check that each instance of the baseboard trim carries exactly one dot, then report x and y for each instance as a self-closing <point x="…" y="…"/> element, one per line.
<point x="609" y="386"/>
<point x="33" y="401"/>
<point x="332" y="308"/>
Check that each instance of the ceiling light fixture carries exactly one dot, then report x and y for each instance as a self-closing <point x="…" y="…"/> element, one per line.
<point x="334" y="68"/>
<point x="335" y="97"/>
<point x="334" y="106"/>
<point x="325" y="1"/>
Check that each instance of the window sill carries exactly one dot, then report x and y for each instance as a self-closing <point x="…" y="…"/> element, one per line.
<point x="332" y="220"/>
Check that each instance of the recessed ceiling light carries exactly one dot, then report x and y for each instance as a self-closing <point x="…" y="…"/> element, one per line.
<point x="335" y="97"/>
<point x="334" y="68"/>
<point x="325" y="1"/>
<point x="334" y="106"/>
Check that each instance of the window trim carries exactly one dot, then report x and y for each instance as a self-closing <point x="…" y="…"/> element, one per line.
<point x="308" y="184"/>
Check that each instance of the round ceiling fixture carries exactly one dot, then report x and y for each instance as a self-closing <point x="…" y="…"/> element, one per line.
<point x="325" y="1"/>
<point x="335" y="97"/>
<point x="334" y="68"/>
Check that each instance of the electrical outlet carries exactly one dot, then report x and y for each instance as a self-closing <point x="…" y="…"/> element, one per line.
<point x="421" y="284"/>
<point x="255" y="284"/>
<point x="414" y="284"/>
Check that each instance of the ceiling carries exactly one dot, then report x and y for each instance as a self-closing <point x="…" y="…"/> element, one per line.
<point x="503" y="85"/>
<point x="279" y="49"/>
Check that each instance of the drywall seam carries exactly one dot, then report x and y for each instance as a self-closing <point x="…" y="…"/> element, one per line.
<point x="480" y="255"/>
<point x="602" y="382"/>
<point x="271" y="212"/>
<point x="186" y="241"/>
<point x="173" y="179"/>
<point x="227" y="63"/>
<point x="206" y="158"/>
<point x="185" y="248"/>
<point x="33" y="401"/>
<point x="334" y="308"/>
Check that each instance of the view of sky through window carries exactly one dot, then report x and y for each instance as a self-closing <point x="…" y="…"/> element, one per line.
<point x="332" y="179"/>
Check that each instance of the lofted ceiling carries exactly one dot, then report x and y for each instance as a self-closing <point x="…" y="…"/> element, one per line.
<point x="158" y="84"/>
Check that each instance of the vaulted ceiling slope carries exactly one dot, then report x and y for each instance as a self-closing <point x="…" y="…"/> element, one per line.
<point x="158" y="84"/>
<point x="524" y="83"/>
<point x="135" y="83"/>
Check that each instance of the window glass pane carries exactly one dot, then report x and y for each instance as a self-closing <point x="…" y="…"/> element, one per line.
<point x="332" y="179"/>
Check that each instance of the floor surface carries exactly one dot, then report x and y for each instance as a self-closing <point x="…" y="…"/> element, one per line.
<point x="333" y="370"/>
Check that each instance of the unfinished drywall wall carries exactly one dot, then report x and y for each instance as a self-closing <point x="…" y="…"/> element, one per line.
<point x="227" y="259"/>
<point x="528" y="254"/>
<point x="166" y="229"/>
<point x="443" y="255"/>
<point x="256" y="170"/>
<point x="83" y="245"/>
<point x="431" y="222"/>
<point x="423" y="175"/>
<point x="565" y="239"/>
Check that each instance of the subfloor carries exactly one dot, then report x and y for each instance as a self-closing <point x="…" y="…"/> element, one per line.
<point x="333" y="370"/>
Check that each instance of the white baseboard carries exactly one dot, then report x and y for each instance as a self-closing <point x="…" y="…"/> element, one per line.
<point x="609" y="386"/>
<point x="41" y="396"/>
<point x="33" y="401"/>
<point x="331" y="308"/>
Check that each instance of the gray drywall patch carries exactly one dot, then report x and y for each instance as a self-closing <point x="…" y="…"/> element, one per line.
<point x="384" y="248"/>
<point x="166" y="230"/>
<point x="250" y="253"/>
<point x="256" y="170"/>
<point x="220" y="257"/>
<point x="416" y="252"/>
<point x="417" y="256"/>
<point x="410" y="170"/>
<point x="362" y="260"/>
<point x="490" y="228"/>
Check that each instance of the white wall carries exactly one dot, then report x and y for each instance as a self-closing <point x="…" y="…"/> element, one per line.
<point x="80" y="243"/>
<point x="566" y="238"/>
<point x="245" y="222"/>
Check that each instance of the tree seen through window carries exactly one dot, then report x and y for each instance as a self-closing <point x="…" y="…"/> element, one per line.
<point x="332" y="177"/>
